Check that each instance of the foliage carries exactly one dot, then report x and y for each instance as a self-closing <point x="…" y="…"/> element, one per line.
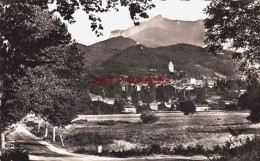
<point x="237" y="23"/>
<point x="98" y="107"/>
<point x="201" y="95"/>
<point x="164" y="93"/>
<point x="148" y="94"/>
<point x="162" y="107"/>
<point x="231" y="107"/>
<point x="67" y="8"/>
<point x="136" y="97"/>
<point x="118" y="106"/>
<point x="254" y="116"/>
<point x="142" y="108"/>
<point x="130" y="61"/>
<point x="187" y="107"/>
<point x="147" y="117"/>
<point x="27" y="28"/>
<point x="21" y="49"/>
<point x="53" y="89"/>
<point x="16" y="153"/>
<point x="250" y="99"/>
<point x="248" y="151"/>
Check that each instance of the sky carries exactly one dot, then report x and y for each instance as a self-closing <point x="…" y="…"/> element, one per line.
<point x="172" y="9"/>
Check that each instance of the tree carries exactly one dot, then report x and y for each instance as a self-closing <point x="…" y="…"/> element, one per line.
<point x="147" y="94"/>
<point x="135" y="97"/>
<point x="118" y="106"/>
<point x="54" y="89"/>
<point x="26" y="28"/>
<point x="137" y="9"/>
<point x="187" y="107"/>
<point x="236" y="23"/>
<point x="164" y="93"/>
<point x="250" y="99"/>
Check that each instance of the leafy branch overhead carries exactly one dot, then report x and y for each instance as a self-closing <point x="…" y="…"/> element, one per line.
<point x="236" y="23"/>
<point x="66" y="9"/>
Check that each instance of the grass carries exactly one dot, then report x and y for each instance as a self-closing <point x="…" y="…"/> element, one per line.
<point x="205" y="128"/>
<point x="125" y="135"/>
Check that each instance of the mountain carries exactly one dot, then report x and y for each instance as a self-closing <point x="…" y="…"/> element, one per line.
<point x="196" y="61"/>
<point x="159" y="31"/>
<point x="101" y="51"/>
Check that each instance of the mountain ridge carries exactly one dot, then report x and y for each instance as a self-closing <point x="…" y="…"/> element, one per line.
<point x="177" y="31"/>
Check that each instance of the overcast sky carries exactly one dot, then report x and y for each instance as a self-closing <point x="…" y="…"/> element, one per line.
<point x="171" y="9"/>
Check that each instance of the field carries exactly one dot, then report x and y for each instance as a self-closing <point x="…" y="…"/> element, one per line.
<point x="204" y="128"/>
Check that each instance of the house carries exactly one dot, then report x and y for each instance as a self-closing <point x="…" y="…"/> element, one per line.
<point x="202" y="108"/>
<point x="192" y="81"/>
<point x="128" y="108"/>
<point x="94" y="97"/>
<point x="154" y="106"/>
<point x="168" y="105"/>
<point x="109" y="101"/>
<point x="211" y="83"/>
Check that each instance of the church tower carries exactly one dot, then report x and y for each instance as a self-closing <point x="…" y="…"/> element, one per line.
<point x="171" y="67"/>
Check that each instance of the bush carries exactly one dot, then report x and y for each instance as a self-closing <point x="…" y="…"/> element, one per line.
<point x="162" y="107"/>
<point x="187" y="107"/>
<point x="148" y="117"/>
<point x="254" y="116"/>
<point x="142" y="108"/>
<point x="16" y="153"/>
<point x="231" y="107"/>
<point x="249" y="151"/>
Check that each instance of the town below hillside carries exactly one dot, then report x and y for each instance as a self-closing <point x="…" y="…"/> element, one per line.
<point x="206" y="93"/>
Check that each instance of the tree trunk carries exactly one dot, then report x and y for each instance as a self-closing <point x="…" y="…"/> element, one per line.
<point x="62" y="143"/>
<point x="46" y="131"/>
<point x="39" y="123"/>
<point x="53" y="139"/>
<point x="2" y="141"/>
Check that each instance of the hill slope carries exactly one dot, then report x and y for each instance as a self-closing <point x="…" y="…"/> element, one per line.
<point x="139" y="60"/>
<point x="169" y="32"/>
<point x="101" y="51"/>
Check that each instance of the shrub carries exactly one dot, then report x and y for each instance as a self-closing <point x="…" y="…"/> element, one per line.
<point x="16" y="153"/>
<point x="254" y="115"/>
<point x="148" y="117"/>
<point x="162" y="107"/>
<point x="142" y="108"/>
<point x="231" y="107"/>
<point x="187" y="107"/>
<point x="107" y="123"/>
<point x="248" y="151"/>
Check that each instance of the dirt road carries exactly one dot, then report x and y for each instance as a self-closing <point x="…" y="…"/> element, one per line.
<point x="40" y="150"/>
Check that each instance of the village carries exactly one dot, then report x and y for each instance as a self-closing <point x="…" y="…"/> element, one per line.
<point x="181" y="88"/>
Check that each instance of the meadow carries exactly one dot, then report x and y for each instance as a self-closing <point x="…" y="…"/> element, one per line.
<point x="173" y="129"/>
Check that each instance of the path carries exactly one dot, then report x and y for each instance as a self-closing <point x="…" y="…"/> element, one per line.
<point x="40" y="150"/>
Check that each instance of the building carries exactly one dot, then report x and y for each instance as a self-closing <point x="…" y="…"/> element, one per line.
<point x="192" y="81"/>
<point x="171" y="67"/>
<point x="202" y="108"/>
<point x="154" y="106"/>
<point x="130" y="110"/>
<point x="94" y="97"/>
